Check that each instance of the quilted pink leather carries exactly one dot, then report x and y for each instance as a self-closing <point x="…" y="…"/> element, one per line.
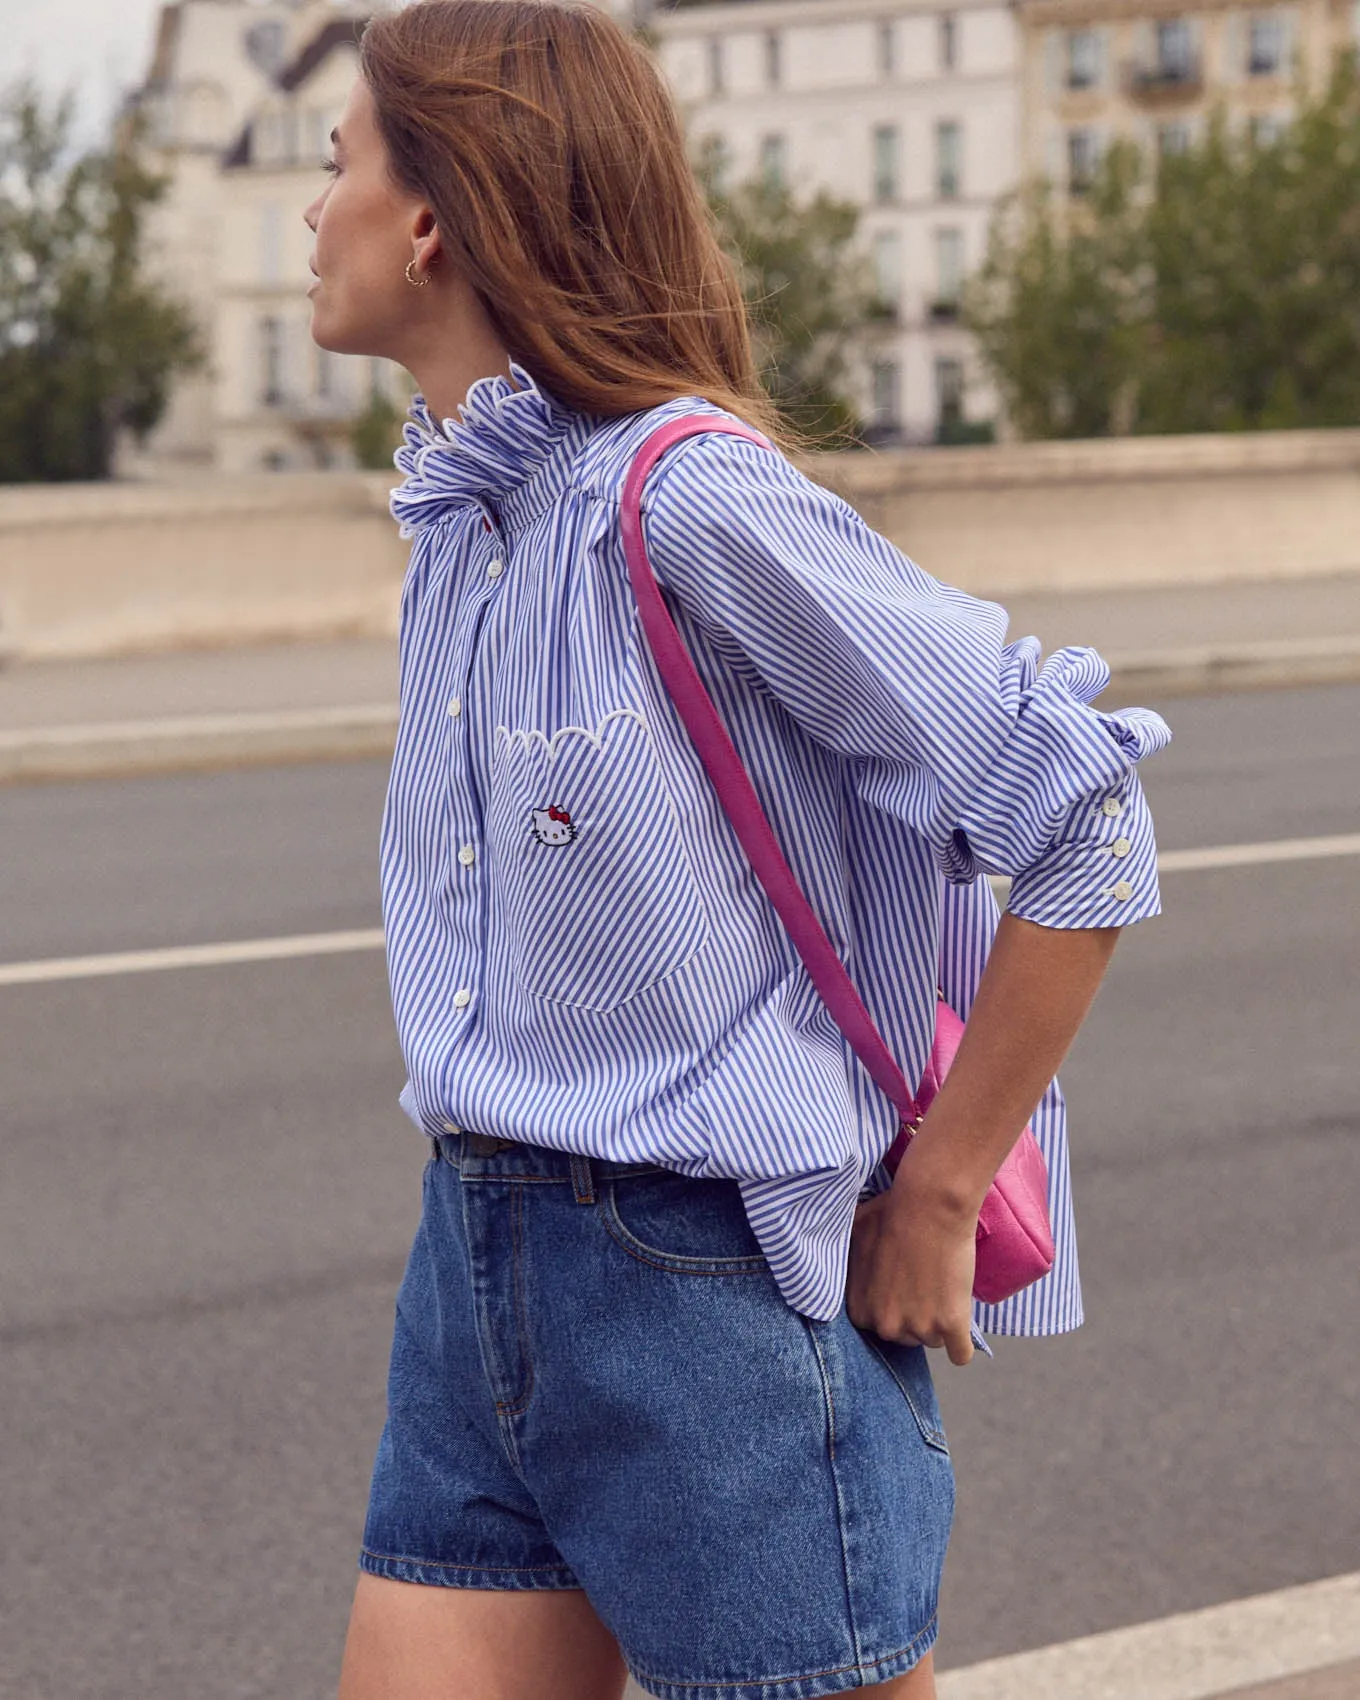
<point x="1014" y="1238"/>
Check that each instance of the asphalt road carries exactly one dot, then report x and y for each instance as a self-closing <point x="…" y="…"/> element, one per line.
<point x="206" y="1193"/>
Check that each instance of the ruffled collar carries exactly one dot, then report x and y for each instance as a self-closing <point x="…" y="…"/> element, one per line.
<point x="500" y="451"/>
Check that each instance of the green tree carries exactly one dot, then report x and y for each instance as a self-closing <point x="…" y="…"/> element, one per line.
<point x="88" y="346"/>
<point x="1058" y="304"/>
<point x="1254" y="252"/>
<point x="808" y="294"/>
<point x="1218" y="291"/>
<point x="375" y="435"/>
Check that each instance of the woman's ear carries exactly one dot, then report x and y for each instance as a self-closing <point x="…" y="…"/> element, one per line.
<point x="427" y="249"/>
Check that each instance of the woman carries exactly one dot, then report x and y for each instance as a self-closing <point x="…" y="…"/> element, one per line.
<point x="635" y="1412"/>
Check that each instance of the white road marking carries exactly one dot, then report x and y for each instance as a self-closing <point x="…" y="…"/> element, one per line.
<point x="189" y="956"/>
<point x="334" y="944"/>
<point x="1196" y="1655"/>
<point x="1250" y="855"/>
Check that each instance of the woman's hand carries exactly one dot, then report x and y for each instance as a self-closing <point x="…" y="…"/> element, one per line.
<point x="911" y="1264"/>
<point x="913" y="1248"/>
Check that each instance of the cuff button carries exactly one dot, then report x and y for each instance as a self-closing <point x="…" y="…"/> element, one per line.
<point x="1123" y="891"/>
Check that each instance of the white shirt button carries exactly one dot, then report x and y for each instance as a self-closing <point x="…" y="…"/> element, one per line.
<point x="455" y="707"/>
<point x="1121" y="847"/>
<point x="1123" y="891"/>
<point x="495" y="567"/>
<point x="467" y="855"/>
<point x="1112" y="807"/>
<point x="462" y="998"/>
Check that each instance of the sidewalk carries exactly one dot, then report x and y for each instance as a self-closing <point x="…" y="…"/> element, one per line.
<point x="325" y="701"/>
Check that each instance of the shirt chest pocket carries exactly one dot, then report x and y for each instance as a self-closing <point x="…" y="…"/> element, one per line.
<point x="599" y="897"/>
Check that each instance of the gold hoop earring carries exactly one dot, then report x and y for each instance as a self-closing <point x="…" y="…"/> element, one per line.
<point x="415" y="282"/>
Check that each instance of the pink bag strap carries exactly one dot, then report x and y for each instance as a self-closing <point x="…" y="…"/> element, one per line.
<point x="735" y="791"/>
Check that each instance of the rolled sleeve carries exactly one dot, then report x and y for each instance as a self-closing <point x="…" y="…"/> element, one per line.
<point x="1061" y="810"/>
<point x="1000" y="764"/>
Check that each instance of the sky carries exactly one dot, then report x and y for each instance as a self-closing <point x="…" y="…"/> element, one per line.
<point x="100" y="46"/>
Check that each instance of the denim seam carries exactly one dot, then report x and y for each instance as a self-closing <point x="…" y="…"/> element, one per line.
<point x="505" y="1179"/>
<point x="519" y="1404"/>
<point x="439" y="1564"/>
<point x="829" y="1398"/>
<point x="672" y="1262"/>
<point x="735" y="1689"/>
<point x="930" y="1432"/>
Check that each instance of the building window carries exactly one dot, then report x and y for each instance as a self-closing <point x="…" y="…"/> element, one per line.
<point x="715" y="164"/>
<point x="948" y="273"/>
<point x="887" y="252"/>
<point x="774" y="70"/>
<point x="1173" y="138"/>
<point x="278" y="136"/>
<point x="1265" y="128"/>
<point x="948" y="160"/>
<point x="773" y="162"/>
<point x="271" y="362"/>
<point x="1265" y="45"/>
<point x="717" y="77"/>
<point x="886" y="398"/>
<point x="271" y="243"/>
<point x="267" y="46"/>
<point x="316" y="129"/>
<point x="1083" y="59"/>
<point x="1175" y="51"/>
<point x="887" y="56"/>
<point x="948" y="41"/>
<point x="1083" y="156"/>
<point x="948" y="396"/>
<point x="886" y="148"/>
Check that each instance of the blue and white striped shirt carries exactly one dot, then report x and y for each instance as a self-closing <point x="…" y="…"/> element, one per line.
<point x="580" y="955"/>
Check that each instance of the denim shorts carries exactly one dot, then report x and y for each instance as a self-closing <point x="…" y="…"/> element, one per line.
<point x="596" y="1384"/>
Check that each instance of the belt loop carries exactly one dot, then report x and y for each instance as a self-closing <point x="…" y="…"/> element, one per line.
<point x="582" y="1180"/>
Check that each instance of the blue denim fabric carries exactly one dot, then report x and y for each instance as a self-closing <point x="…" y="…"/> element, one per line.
<point x="595" y="1383"/>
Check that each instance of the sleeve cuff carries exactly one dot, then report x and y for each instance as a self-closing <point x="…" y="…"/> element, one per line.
<point x="1100" y="870"/>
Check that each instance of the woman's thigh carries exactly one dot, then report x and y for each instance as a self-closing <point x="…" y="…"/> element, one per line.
<point x="408" y="1642"/>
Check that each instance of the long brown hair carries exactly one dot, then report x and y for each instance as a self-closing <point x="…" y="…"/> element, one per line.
<point x="546" y="142"/>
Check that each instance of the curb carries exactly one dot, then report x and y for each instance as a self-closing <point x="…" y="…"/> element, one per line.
<point x="1299" y="1643"/>
<point x="116" y="748"/>
<point x="1205" y="669"/>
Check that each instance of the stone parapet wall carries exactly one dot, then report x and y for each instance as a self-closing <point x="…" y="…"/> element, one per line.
<point x="207" y="561"/>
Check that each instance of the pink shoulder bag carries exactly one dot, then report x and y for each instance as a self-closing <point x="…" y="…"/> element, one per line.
<point x="1014" y="1236"/>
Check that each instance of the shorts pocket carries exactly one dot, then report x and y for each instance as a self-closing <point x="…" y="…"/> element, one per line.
<point x="600" y="898"/>
<point x="910" y="1369"/>
<point x="690" y="1227"/>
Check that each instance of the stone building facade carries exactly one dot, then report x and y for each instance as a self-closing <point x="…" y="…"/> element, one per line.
<point x="910" y="111"/>
<point x="239" y="102"/>
<point x="1153" y="71"/>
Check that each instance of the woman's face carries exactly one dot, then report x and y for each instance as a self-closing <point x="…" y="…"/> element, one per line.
<point x="367" y="229"/>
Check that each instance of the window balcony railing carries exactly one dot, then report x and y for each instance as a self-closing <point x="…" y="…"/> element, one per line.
<point x="1165" y="80"/>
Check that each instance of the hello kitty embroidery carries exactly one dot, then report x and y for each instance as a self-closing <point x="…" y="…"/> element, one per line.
<point x="552" y="826"/>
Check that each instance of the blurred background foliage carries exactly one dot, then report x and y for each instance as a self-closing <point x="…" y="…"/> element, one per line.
<point x="88" y="346"/>
<point x="1215" y="290"/>
<point x="809" y="294"/>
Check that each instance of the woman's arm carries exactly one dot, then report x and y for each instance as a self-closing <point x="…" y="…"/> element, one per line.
<point x="911" y="1255"/>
